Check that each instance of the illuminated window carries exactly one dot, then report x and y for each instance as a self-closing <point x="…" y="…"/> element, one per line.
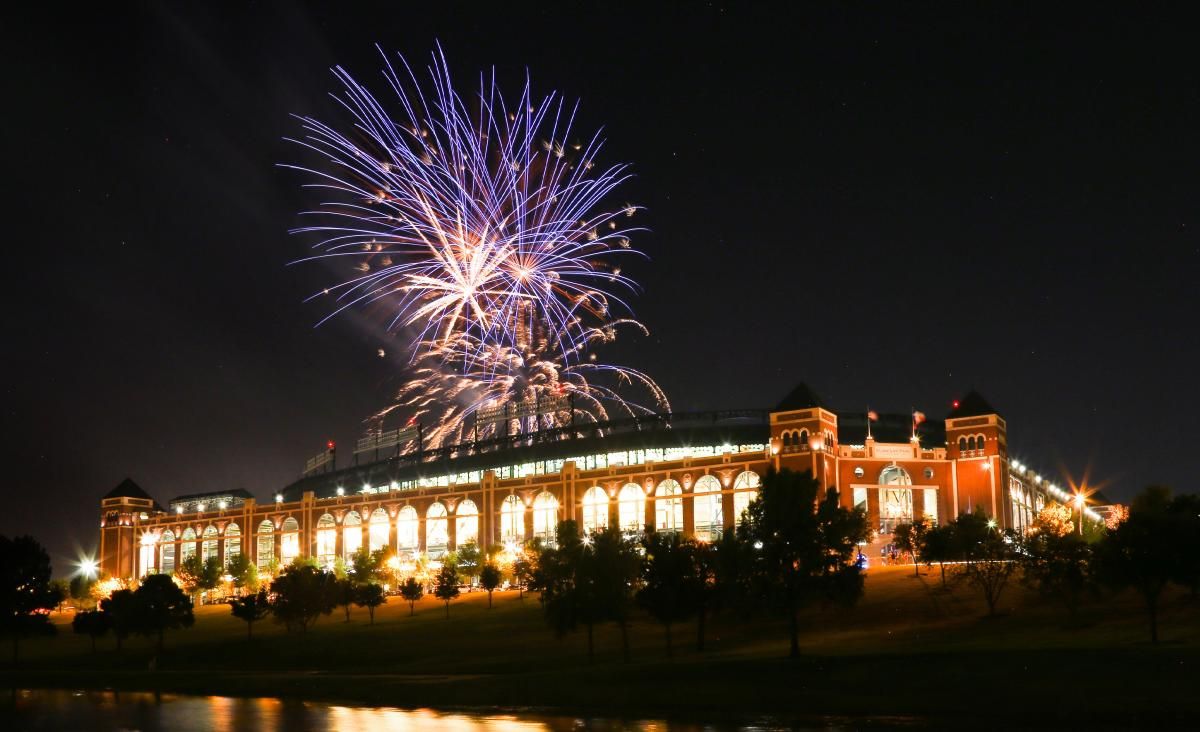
<point x="146" y="554"/>
<point x="208" y="544"/>
<point x="859" y="472"/>
<point x="931" y="507"/>
<point x="707" y="513"/>
<point x="352" y="535"/>
<point x="437" y="531"/>
<point x="895" y="507"/>
<point x="745" y="488"/>
<point x="894" y="475"/>
<point x="631" y="508"/>
<point x="512" y="520"/>
<point x="289" y="541"/>
<point x="326" y="540"/>
<point x="378" y="531"/>
<point x="466" y="523"/>
<point x="408" y="530"/>
<point x="166" y="562"/>
<point x="860" y="499"/>
<point x="545" y="517"/>
<point x="187" y="546"/>
<point x="233" y="542"/>
<point x="668" y="506"/>
<point x="595" y="510"/>
<point x="266" y="544"/>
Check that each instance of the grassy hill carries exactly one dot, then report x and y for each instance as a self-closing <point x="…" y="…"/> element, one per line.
<point x="908" y="651"/>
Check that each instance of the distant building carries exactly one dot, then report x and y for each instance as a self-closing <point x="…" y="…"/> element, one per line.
<point x="694" y="473"/>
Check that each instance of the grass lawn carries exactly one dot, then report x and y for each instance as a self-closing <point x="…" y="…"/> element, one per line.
<point x="907" y="651"/>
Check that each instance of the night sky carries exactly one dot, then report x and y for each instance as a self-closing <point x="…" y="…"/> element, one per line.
<point x="891" y="207"/>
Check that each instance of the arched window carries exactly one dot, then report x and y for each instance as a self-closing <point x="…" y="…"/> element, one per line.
<point x="895" y="498"/>
<point x="466" y="523"/>
<point x="208" y="544"/>
<point x="233" y="542"/>
<point x="146" y="552"/>
<point x="787" y="439"/>
<point x="289" y="541"/>
<point x="631" y="508"/>
<point x="437" y="530"/>
<point x="351" y="535"/>
<point x="979" y="440"/>
<point x="545" y="517"/>
<point x="266" y="544"/>
<point x="962" y="444"/>
<point x="166" y="563"/>
<point x="408" y="530"/>
<point x="803" y="438"/>
<point x="595" y="510"/>
<point x="512" y="520"/>
<point x="187" y="545"/>
<point x="326" y="540"/>
<point x="378" y="531"/>
<point x="971" y="442"/>
<point x="707" y="514"/>
<point x="745" y="490"/>
<point x="668" y="506"/>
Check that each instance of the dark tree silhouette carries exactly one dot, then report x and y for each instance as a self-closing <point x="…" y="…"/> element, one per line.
<point x="122" y="609"/>
<point x="302" y="594"/>
<point x="909" y="537"/>
<point x="671" y="587"/>
<point x="91" y="623"/>
<point x="1057" y="566"/>
<point x="805" y="544"/>
<point x="161" y="606"/>
<point x="343" y="591"/>
<point x="412" y="591"/>
<point x="523" y="570"/>
<point x="939" y="544"/>
<point x="370" y="596"/>
<point x="25" y="591"/>
<point x="989" y="564"/>
<point x="489" y="579"/>
<point x="445" y="585"/>
<point x="251" y="609"/>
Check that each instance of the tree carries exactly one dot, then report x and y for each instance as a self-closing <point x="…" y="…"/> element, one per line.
<point x="92" y="623"/>
<point x="1184" y="511"/>
<point x="369" y="566"/>
<point x="908" y="537"/>
<point x="412" y="591"/>
<point x="1056" y="566"/>
<point x="243" y="571"/>
<point x="122" y="610"/>
<point x="343" y="591"/>
<point x="302" y="594"/>
<point x="251" y="608"/>
<point x="939" y="544"/>
<point x="80" y="589"/>
<point x="805" y="546"/>
<point x="370" y="596"/>
<point x="445" y="586"/>
<point x="468" y="560"/>
<point x="489" y="579"/>
<point x="1055" y="519"/>
<point x="1141" y="552"/>
<point x="610" y="570"/>
<point x="989" y="563"/>
<point x="523" y="571"/>
<point x="161" y="606"/>
<point x="671" y="587"/>
<point x="26" y="595"/>
<point x="199" y="575"/>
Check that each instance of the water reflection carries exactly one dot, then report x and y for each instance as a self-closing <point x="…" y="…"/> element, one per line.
<point x="112" y="711"/>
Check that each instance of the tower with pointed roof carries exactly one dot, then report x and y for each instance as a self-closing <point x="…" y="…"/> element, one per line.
<point x="977" y="443"/>
<point x="803" y="429"/>
<point x="122" y="511"/>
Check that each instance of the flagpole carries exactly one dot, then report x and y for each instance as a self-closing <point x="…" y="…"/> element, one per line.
<point x="868" y="421"/>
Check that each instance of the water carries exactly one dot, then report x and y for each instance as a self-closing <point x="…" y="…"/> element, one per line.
<point x="112" y="711"/>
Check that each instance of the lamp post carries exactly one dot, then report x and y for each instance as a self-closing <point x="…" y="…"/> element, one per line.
<point x="1079" y="504"/>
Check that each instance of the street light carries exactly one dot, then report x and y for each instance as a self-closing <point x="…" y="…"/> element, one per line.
<point x="1080" y="501"/>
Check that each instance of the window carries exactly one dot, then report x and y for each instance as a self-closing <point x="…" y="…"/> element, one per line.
<point x="466" y="523"/>
<point x="668" y="506"/>
<point x="233" y="542"/>
<point x="512" y="520"/>
<point x="146" y="552"/>
<point x="803" y="439"/>
<point x="351" y="535"/>
<point x="326" y="540"/>
<point x="928" y="473"/>
<point x="266" y="544"/>
<point x="931" y="504"/>
<point x="631" y="508"/>
<point x="859" y="472"/>
<point x="166" y="562"/>
<point x="962" y="444"/>
<point x="378" y="531"/>
<point x="745" y="490"/>
<point x="595" y="510"/>
<point x="408" y="530"/>
<point x="860" y="499"/>
<point x="971" y="442"/>
<point x="208" y="545"/>
<point x="895" y="507"/>
<point x="289" y="541"/>
<point x="707" y="514"/>
<point x="894" y="475"/>
<point x="545" y="517"/>
<point x="188" y="546"/>
<point x="437" y="531"/>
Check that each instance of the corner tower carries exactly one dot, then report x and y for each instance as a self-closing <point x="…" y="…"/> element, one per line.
<point x="804" y="435"/>
<point x="977" y="445"/>
<point x="122" y="510"/>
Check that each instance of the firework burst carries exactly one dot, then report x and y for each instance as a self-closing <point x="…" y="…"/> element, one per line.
<point x="482" y="231"/>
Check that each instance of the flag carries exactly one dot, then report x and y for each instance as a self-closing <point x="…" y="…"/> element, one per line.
<point x="918" y="417"/>
<point x="872" y="415"/>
